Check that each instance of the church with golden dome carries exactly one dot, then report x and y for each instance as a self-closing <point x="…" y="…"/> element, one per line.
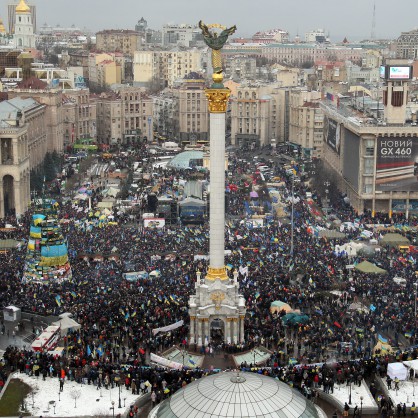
<point x="22" y="25"/>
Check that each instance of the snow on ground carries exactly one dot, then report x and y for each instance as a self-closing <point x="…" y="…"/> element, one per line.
<point x="407" y="393"/>
<point x="90" y="401"/>
<point x="342" y="393"/>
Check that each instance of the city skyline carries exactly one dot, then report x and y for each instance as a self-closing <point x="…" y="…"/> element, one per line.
<point x="353" y="22"/>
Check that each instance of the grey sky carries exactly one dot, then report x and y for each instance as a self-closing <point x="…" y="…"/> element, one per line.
<point x="351" y="18"/>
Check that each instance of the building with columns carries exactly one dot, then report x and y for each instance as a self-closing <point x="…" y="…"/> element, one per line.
<point x="52" y="99"/>
<point x="23" y="145"/>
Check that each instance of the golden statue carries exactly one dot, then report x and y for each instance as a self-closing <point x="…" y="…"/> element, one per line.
<point x="215" y="42"/>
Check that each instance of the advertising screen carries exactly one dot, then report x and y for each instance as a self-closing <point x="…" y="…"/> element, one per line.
<point x="332" y="134"/>
<point x="382" y="71"/>
<point x="397" y="164"/>
<point x="399" y="73"/>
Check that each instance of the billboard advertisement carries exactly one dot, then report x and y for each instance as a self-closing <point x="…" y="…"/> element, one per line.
<point x="382" y="71"/>
<point x="351" y="162"/>
<point x="400" y="206"/>
<point x="399" y="72"/>
<point x="397" y="164"/>
<point x="332" y="134"/>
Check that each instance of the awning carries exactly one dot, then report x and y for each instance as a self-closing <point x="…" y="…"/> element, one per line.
<point x="367" y="267"/>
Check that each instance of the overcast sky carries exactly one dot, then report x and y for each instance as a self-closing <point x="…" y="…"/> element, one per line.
<point x="351" y="18"/>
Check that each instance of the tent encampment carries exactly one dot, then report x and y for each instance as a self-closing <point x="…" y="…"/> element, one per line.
<point x="393" y="240"/>
<point x="66" y="324"/>
<point x="278" y="306"/>
<point x="397" y="370"/>
<point x="367" y="267"/>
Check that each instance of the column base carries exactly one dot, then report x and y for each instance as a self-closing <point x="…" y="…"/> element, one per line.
<point x="217" y="273"/>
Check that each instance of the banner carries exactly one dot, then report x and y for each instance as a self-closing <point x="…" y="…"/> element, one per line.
<point x="168" y="327"/>
<point x="332" y="134"/>
<point x="165" y="362"/>
<point x="396" y="166"/>
<point x="154" y="223"/>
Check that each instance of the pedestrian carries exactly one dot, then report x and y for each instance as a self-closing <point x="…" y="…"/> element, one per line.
<point x="153" y="398"/>
<point x="346" y="410"/>
<point x="413" y="408"/>
<point x="61" y="384"/>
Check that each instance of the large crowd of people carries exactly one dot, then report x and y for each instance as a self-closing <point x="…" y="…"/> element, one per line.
<point x="117" y="316"/>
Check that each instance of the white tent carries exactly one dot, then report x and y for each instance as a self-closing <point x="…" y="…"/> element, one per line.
<point x="397" y="370"/>
<point x="412" y="364"/>
<point x="67" y="324"/>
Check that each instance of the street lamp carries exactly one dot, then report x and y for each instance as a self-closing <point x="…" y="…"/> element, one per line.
<point x="327" y="184"/>
<point x="117" y="380"/>
<point x="361" y="406"/>
<point x="53" y="404"/>
<point x="113" y="409"/>
<point x="59" y="395"/>
<point x="349" y="396"/>
<point x="183" y="353"/>
<point x="254" y="353"/>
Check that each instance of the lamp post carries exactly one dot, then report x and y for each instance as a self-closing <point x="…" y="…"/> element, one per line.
<point x="361" y="406"/>
<point x="254" y="353"/>
<point x="53" y="404"/>
<point x="59" y="395"/>
<point x="117" y="380"/>
<point x="327" y="184"/>
<point x="183" y="354"/>
<point x="113" y="409"/>
<point x="349" y="396"/>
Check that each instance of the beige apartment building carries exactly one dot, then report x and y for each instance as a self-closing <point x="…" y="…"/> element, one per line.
<point x="79" y="115"/>
<point x="106" y="69"/>
<point x="306" y="121"/>
<point x="163" y="68"/>
<point x="125" y="115"/>
<point x="23" y="145"/>
<point x="138" y="118"/>
<point x="193" y="115"/>
<point x="255" y="115"/>
<point x="52" y="99"/>
<point x="114" y="40"/>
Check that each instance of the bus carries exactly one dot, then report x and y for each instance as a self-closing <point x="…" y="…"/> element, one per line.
<point x="48" y="340"/>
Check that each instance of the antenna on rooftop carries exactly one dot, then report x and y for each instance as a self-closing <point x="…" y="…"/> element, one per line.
<point x="373" y="33"/>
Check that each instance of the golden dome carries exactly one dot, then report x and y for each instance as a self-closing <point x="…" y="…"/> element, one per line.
<point x="2" y="28"/>
<point x="22" y="7"/>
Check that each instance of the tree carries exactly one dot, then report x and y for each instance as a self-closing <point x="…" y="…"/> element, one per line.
<point x="75" y="394"/>
<point x="49" y="167"/>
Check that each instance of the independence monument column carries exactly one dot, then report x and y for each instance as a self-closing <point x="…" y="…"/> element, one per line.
<point x="217" y="96"/>
<point x="217" y="310"/>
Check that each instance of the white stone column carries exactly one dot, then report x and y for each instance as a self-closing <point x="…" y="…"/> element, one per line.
<point x="192" y="330"/>
<point x="206" y="328"/>
<point x="199" y="332"/>
<point x="234" y="331"/>
<point x="217" y="190"/>
<point x="227" y="331"/>
<point x="18" y="198"/>
<point x="241" y="334"/>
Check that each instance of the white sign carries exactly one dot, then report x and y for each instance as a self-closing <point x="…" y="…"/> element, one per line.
<point x="154" y="223"/>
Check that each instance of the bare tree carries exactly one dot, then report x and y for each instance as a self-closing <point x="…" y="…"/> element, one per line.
<point x="75" y="394"/>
